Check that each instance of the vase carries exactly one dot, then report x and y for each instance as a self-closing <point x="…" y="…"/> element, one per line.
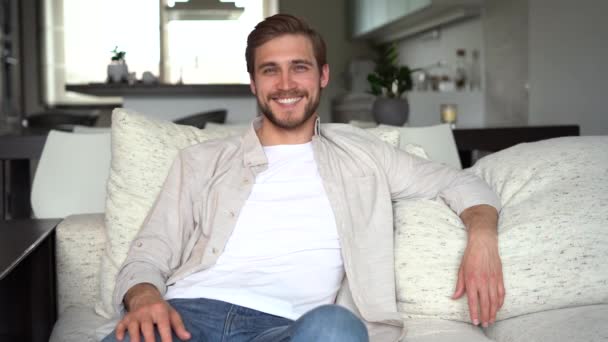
<point x="118" y="72"/>
<point x="389" y="111"/>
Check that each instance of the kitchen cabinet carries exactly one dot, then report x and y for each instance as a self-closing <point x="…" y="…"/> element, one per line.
<point x="389" y="20"/>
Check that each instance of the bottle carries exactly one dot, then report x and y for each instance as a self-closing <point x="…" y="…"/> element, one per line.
<point x="475" y="78"/>
<point x="460" y="72"/>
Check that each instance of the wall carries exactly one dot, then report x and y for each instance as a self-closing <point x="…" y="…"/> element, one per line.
<point x="440" y="45"/>
<point x="505" y="27"/>
<point x="501" y="35"/>
<point x="569" y="64"/>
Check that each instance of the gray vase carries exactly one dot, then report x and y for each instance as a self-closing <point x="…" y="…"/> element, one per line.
<point x="392" y="112"/>
<point x="118" y="72"/>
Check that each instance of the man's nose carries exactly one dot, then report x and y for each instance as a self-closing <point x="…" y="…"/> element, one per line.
<point x="286" y="81"/>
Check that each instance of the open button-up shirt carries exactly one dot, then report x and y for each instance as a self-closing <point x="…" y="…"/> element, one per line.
<point x="208" y="184"/>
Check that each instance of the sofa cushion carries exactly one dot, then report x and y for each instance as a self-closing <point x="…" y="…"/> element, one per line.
<point x="441" y="330"/>
<point x="142" y="152"/>
<point x="81" y="324"/>
<point x="79" y="244"/>
<point x="578" y="324"/>
<point x="552" y="233"/>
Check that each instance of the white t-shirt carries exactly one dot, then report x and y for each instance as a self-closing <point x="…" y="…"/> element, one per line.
<point x="283" y="256"/>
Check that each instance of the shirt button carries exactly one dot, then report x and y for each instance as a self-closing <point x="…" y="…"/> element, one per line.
<point x="231" y="213"/>
<point x="214" y="250"/>
<point x="245" y="181"/>
<point x="139" y="244"/>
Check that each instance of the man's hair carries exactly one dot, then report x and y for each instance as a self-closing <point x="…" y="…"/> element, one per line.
<point x="278" y="25"/>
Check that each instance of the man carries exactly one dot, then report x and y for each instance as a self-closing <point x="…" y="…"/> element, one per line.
<point x="285" y="233"/>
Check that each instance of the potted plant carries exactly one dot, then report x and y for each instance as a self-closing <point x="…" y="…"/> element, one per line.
<point x="389" y="82"/>
<point x="118" y="71"/>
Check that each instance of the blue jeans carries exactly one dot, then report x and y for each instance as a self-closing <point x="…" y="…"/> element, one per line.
<point x="210" y="320"/>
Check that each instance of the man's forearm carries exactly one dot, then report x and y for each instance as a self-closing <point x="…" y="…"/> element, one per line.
<point x="480" y="273"/>
<point x="480" y="219"/>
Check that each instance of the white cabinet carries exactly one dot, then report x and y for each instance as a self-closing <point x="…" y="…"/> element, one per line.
<point x="369" y="15"/>
<point x="387" y="20"/>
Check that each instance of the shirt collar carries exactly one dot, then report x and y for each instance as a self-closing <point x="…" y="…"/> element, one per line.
<point x="253" y="151"/>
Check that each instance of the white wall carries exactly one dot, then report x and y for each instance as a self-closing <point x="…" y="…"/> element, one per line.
<point x="426" y="48"/>
<point x="569" y="64"/>
<point x="505" y="34"/>
<point x="441" y="45"/>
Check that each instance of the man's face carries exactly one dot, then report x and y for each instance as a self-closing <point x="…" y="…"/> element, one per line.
<point x="286" y="80"/>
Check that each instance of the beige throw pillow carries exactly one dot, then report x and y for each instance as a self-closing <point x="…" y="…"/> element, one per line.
<point x="553" y="237"/>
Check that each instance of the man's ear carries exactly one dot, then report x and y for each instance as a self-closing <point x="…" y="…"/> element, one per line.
<point x="324" y="75"/>
<point x="252" y="85"/>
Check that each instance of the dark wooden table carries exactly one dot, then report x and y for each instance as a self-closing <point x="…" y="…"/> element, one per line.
<point x="492" y="139"/>
<point x="18" y="148"/>
<point x="28" y="307"/>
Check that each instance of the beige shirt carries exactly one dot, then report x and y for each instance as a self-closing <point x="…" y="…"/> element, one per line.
<point x="208" y="184"/>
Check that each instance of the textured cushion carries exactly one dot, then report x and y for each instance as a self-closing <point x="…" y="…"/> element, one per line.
<point x="441" y="330"/>
<point x="579" y="324"/>
<point x="552" y="233"/>
<point x="142" y="152"/>
<point x="79" y="243"/>
<point x="80" y="324"/>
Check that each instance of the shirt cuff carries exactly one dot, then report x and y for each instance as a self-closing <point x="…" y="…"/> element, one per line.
<point x="132" y="274"/>
<point x="461" y="197"/>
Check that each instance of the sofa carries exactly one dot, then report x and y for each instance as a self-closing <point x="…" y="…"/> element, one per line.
<point x="553" y="236"/>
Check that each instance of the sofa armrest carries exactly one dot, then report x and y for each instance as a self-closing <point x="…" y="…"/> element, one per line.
<point x="79" y="243"/>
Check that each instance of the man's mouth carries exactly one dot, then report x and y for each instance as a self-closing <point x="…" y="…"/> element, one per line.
<point x="288" y="101"/>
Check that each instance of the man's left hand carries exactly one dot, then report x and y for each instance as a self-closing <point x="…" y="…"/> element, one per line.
<point x="480" y="273"/>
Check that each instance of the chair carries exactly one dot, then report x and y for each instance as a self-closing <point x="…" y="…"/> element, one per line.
<point x="200" y="119"/>
<point x="71" y="175"/>
<point x="438" y="142"/>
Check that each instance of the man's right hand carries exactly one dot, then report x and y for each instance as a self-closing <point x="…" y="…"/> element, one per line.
<point x="147" y="308"/>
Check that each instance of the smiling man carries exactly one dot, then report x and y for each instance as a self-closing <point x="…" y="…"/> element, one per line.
<point x="285" y="233"/>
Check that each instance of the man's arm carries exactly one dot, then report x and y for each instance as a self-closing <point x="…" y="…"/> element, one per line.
<point x="470" y="197"/>
<point x="480" y="273"/>
<point x="156" y="250"/>
<point x="154" y="253"/>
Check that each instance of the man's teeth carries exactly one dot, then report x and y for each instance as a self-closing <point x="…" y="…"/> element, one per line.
<point x="289" y="100"/>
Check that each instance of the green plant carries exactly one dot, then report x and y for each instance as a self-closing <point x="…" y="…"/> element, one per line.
<point x="118" y="55"/>
<point x="389" y="79"/>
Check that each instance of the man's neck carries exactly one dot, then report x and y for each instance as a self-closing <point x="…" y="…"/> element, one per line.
<point x="269" y="134"/>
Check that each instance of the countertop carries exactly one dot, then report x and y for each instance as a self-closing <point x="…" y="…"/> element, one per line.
<point x="159" y="89"/>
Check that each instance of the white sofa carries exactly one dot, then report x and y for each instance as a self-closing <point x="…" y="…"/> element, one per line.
<point x="553" y="238"/>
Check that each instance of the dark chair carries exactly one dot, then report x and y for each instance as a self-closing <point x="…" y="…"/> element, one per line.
<point x="60" y="120"/>
<point x="200" y="119"/>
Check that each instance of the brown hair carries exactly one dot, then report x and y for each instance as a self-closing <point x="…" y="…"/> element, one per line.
<point x="278" y="25"/>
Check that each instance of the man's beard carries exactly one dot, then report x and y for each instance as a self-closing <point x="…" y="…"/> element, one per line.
<point x="287" y="124"/>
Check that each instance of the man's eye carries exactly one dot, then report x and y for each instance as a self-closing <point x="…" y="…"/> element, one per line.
<point x="301" y="67"/>
<point x="269" y="71"/>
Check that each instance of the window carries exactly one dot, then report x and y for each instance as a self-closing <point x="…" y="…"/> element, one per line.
<point x="79" y="37"/>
